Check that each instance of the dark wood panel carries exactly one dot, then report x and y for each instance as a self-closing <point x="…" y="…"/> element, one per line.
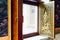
<point x="14" y="19"/>
<point x="30" y="35"/>
<point x="20" y="19"/>
<point x="17" y="19"/>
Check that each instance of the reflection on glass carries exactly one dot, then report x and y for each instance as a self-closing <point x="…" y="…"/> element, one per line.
<point x="45" y="1"/>
<point x="30" y="19"/>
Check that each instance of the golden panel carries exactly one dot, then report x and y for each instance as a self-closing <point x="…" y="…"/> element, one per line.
<point x="46" y="19"/>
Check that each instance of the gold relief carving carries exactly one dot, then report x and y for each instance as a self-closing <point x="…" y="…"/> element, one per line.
<point x="46" y="19"/>
<point x="46" y="24"/>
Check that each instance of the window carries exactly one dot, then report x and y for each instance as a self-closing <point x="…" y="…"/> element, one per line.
<point x="30" y="19"/>
<point x="45" y="1"/>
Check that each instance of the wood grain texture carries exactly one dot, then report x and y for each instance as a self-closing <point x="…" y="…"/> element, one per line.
<point x="15" y="19"/>
<point x="4" y="38"/>
<point x="57" y="29"/>
<point x="20" y="19"/>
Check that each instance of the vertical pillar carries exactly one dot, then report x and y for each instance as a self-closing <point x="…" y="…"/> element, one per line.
<point x="15" y="19"/>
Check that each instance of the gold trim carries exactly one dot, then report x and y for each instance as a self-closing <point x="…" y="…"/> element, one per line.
<point x="53" y="20"/>
<point x="9" y="19"/>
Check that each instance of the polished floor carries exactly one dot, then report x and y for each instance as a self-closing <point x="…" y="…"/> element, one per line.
<point x="57" y="36"/>
<point x="39" y="37"/>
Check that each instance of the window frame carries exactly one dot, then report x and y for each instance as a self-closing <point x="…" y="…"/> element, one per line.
<point x="35" y="33"/>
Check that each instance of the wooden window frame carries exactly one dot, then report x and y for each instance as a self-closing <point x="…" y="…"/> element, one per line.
<point x="35" y="33"/>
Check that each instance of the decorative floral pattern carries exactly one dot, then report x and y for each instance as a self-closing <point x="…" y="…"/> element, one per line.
<point x="46" y="19"/>
<point x="46" y="25"/>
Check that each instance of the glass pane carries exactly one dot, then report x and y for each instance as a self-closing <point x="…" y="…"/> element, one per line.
<point x="30" y="19"/>
<point x="45" y="1"/>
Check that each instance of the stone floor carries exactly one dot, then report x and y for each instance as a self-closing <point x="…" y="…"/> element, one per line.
<point x="39" y="38"/>
<point x="57" y="36"/>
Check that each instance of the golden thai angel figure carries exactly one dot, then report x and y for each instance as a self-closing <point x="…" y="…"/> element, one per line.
<point x="45" y="27"/>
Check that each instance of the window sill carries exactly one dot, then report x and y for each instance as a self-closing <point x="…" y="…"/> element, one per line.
<point x="37" y="38"/>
